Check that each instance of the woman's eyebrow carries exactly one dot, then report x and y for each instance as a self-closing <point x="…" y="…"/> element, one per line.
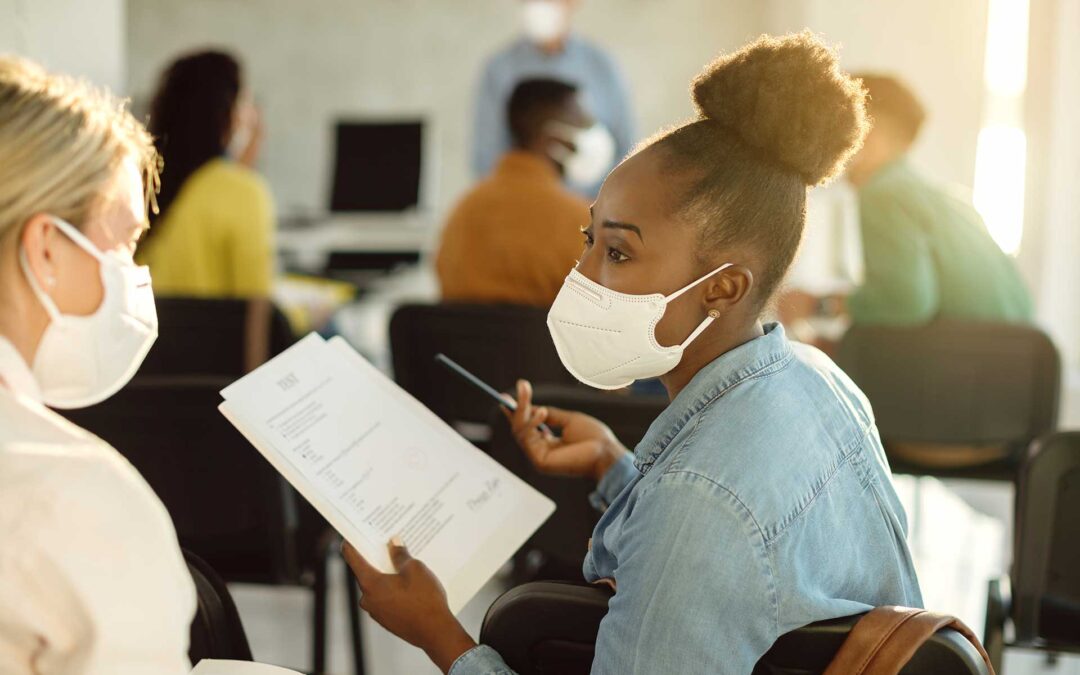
<point x="616" y="225"/>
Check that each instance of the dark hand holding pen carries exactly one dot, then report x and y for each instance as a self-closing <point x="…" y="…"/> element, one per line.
<point x="586" y="447"/>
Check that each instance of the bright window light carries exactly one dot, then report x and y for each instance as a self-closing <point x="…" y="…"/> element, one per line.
<point x="1006" y="47"/>
<point x="1000" y="159"/>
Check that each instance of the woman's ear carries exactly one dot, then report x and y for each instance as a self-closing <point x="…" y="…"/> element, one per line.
<point x="728" y="288"/>
<point x="38" y="241"/>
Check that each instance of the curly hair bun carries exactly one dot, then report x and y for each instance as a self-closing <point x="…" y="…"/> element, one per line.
<point x="787" y="98"/>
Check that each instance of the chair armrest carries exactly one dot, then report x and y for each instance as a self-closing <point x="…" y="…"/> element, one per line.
<point x="543" y="623"/>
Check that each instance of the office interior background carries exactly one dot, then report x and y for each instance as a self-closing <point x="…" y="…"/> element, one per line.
<point x="998" y="78"/>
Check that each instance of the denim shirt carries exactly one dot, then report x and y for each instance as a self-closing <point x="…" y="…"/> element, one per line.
<point x="758" y="502"/>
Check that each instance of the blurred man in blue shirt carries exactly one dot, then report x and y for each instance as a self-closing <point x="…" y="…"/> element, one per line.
<point x="548" y="49"/>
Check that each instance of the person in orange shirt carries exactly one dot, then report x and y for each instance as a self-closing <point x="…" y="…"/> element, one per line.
<point x="515" y="235"/>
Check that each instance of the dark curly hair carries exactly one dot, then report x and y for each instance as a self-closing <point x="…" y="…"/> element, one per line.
<point x="191" y="116"/>
<point x="774" y="118"/>
<point x="532" y="104"/>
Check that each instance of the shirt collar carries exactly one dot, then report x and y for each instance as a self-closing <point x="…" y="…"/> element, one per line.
<point x="14" y="372"/>
<point x="769" y="352"/>
<point x="528" y="163"/>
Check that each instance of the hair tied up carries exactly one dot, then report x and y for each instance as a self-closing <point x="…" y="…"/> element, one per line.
<point x="788" y="99"/>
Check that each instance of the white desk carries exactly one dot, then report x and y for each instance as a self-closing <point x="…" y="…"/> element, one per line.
<point x="308" y="245"/>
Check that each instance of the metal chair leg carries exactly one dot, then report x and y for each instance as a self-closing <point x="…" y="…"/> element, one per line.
<point x="354" y="621"/>
<point x="319" y="589"/>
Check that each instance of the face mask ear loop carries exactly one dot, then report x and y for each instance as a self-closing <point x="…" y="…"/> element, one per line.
<point x="50" y="307"/>
<point x="697" y="331"/>
<point x="79" y="238"/>
<point x="695" y="283"/>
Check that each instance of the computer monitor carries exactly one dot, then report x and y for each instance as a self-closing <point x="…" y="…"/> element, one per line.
<point x="377" y="165"/>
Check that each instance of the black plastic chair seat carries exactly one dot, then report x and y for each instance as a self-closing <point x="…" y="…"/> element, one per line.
<point x="1059" y="622"/>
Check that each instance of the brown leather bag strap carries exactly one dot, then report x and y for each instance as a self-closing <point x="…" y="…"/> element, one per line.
<point x="886" y="638"/>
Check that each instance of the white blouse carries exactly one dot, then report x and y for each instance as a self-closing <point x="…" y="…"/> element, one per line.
<point x="92" y="580"/>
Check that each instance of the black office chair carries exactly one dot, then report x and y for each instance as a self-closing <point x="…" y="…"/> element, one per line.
<point x="990" y="387"/>
<point x="216" y="631"/>
<point x="544" y="628"/>
<point x="499" y="343"/>
<point x="227" y="503"/>
<point x="1044" y="609"/>
<point x="556" y="550"/>
<point x="206" y="336"/>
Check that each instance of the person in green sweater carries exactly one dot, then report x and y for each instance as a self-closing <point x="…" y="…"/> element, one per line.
<point x="927" y="252"/>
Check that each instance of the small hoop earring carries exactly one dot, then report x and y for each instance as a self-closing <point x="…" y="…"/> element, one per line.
<point x="714" y="314"/>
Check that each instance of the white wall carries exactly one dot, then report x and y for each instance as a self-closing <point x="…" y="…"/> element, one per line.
<point x="312" y="61"/>
<point x="79" y="37"/>
<point x="937" y="47"/>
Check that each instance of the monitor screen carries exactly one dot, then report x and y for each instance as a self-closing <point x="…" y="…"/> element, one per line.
<point x="376" y="166"/>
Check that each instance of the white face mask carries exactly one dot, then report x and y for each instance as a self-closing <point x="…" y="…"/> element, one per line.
<point x="544" y="20"/>
<point x="607" y="339"/>
<point x="245" y="120"/>
<point x="83" y="360"/>
<point x="592" y="157"/>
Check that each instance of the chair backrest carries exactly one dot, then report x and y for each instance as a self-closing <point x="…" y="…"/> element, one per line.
<point x="564" y="536"/>
<point x="498" y="343"/>
<point x="956" y="383"/>
<point x="810" y="650"/>
<point x="1046" y="570"/>
<point x="227" y="503"/>
<point x="216" y="631"/>
<point x="543" y="627"/>
<point x="206" y="336"/>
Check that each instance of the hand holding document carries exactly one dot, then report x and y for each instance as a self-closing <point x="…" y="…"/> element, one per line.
<point x="376" y="463"/>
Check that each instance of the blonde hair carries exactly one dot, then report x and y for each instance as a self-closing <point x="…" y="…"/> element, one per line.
<point x="61" y="143"/>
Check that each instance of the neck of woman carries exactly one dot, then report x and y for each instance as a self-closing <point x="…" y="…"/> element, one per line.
<point x="22" y="318"/>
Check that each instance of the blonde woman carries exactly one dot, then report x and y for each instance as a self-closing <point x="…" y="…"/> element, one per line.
<point x="92" y="580"/>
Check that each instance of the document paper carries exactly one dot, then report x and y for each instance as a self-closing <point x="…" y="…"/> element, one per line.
<point x="218" y="667"/>
<point x="376" y="463"/>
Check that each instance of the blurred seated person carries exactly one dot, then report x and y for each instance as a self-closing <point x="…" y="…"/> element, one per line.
<point x="213" y="237"/>
<point x="515" y="236"/>
<point x="927" y="253"/>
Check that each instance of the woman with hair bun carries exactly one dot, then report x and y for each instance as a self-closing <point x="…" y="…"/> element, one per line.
<point x="760" y="500"/>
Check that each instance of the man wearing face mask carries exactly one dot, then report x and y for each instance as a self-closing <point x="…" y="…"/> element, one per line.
<point x="549" y="49"/>
<point x="514" y="236"/>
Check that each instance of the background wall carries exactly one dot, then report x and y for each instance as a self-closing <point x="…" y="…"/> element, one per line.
<point x="937" y="47"/>
<point x="310" y="62"/>
<point x="313" y="61"/>
<point x="72" y="36"/>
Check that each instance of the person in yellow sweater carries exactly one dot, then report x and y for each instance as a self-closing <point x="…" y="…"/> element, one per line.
<point x="515" y="236"/>
<point x="213" y="234"/>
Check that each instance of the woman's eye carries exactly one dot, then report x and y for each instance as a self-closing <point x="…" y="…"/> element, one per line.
<point x="588" y="238"/>
<point x="617" y="256"/>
